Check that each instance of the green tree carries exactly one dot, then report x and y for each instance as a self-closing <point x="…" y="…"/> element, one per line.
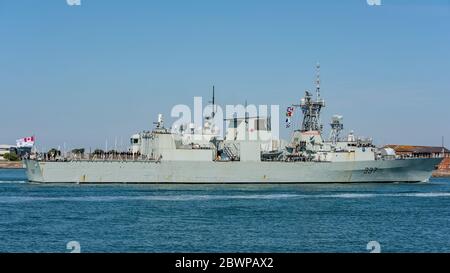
<point x="11" y="157"/>
<point x="54" y="152"/>
<point x="98" y="152"/>
<point x="79" y="151"/>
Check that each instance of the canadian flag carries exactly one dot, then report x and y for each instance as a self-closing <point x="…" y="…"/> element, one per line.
<point x="25" y="142"/>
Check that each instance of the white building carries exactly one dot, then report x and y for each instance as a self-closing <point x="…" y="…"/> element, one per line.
<point x="4" y="149"/>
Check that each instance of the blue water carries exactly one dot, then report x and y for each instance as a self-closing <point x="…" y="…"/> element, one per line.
<point x="182" y="218"/>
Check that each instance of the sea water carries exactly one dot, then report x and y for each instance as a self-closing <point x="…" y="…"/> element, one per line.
<point x="223" y="218"/>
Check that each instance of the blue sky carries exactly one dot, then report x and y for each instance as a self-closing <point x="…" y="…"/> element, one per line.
<point x="105" y="69"/>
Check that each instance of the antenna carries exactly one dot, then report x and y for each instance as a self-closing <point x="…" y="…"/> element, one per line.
<point x="246" y="113"/>
<point x="214" y="103"/>
<point x="246" y="116"/>
<point x="318" y="80"/>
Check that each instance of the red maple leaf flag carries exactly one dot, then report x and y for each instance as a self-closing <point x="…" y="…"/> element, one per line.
<point x="25" y="142"/>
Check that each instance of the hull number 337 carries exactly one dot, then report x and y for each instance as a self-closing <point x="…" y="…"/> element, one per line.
<point x="370" y="170"/>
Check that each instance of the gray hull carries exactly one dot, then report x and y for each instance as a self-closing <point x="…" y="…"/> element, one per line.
<point x="410" y="170"/>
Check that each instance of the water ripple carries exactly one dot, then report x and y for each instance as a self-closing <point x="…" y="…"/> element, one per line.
<point x="22" y="199"/>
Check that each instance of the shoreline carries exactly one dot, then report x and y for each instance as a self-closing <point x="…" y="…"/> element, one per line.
<point x="441" y="173"/>
<point x="11" y="165"/>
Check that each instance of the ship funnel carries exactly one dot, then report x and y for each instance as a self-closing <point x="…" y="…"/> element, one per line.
<point x="337" y="126"/>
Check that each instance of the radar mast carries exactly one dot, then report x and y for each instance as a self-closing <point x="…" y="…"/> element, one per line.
<point x="311" y="107"/>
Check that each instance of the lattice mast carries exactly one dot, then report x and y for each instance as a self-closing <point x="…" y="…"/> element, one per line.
<point x="311" y="107"/>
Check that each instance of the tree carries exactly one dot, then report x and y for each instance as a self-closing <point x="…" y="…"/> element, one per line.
<point x="11" y="157"/>
<point x="54" y="152"/>
<point x="79" y="151"/>
<point x="99" y="152"/>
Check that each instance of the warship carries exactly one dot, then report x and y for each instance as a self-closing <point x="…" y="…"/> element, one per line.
<point x="247" y="153"/>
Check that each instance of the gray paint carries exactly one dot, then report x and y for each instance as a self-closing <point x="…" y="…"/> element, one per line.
<point x="409" y="170"/>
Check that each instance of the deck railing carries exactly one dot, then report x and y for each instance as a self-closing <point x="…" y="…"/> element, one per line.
<point x="92" y="157"/>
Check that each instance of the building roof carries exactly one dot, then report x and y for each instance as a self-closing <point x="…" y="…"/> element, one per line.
<point x="417" y="149"/>
<point x="6" y="146"/>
